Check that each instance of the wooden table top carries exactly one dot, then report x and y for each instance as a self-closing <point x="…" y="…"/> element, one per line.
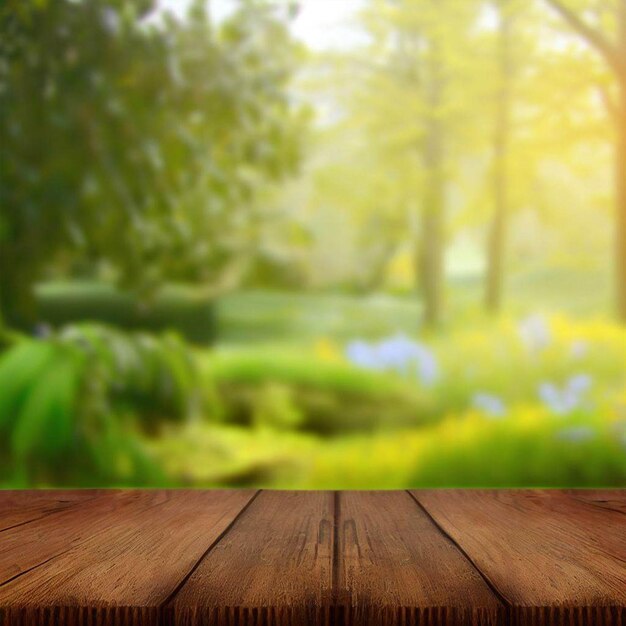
<point x="259" y="558"/>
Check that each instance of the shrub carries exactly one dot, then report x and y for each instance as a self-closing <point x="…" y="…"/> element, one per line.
<point x="310" y="393"/>
<point x="73" y="406"/>
<point x="177" y="308"/>
<point x="529" y="448"/>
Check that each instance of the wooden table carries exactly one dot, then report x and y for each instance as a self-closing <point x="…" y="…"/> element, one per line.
<point x="242" y="558"/>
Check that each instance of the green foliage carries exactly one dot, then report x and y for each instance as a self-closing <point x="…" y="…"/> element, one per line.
<point x="138" y="375"/>
<point x="143" y="150"/>
<point x="256" y="316"/>
<point x="137" y="142"/>
<point x="73" y="406"/>
<point x="467" y="451"/>
<point x="524" y="451"/>
<point x="364" y="193"/>
<point x="300" y="390"/>
<point x="275" y="406"/>
<point x="18" y="369"/>
<point x="302" y="417"/>
<point x="187" y="311"/>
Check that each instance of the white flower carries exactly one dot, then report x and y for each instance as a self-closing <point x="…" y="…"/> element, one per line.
<point x="535" y="333"/>
<point x="578" y="349"/>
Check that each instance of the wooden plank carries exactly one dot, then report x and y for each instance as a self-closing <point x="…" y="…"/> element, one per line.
<point x="27" y="546"/>
<point x="21" y="507"/>
<point x="396" y="567"/>
<point x="597" y="525"/>
<point x="614" y="499"/>
<point x="123" y="563"/>
<point x="273" y="567"/>
<point x="187" y="558"/>
<point x="555" y="560"/>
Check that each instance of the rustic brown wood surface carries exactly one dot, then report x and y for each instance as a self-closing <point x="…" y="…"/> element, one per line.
<point x="20" y="507"/>
<point x="553" y="558"/>
<point x="393" y="561"/>
<point x="250" y="558"/>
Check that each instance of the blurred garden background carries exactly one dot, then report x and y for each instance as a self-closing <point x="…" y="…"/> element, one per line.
<point x="313" y="243"/>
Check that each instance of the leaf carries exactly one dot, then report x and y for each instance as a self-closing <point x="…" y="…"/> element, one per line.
<point x="46" y="421"/>
<point x="20" y="367"/>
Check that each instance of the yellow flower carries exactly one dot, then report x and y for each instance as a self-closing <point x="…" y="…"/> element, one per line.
<point x="401" y="270"/>
<point x="327" y="350"/>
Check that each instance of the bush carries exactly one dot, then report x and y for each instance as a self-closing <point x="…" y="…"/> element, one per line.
<point x="529" y="448"/>
<point x="310" y="393"/>
<point x="174" y="308"/>
<point x="73" y="406"/>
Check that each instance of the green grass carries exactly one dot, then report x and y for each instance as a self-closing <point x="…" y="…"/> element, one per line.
<point x="284" y="408"/>
<point x="469" y="452"/>
<point x="450" y="442"/>
<point x="260" y="316"/>
<point x="252" y="317"/>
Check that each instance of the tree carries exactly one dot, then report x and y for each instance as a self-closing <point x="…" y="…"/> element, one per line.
<point x="417" y="92"/>
<point x="611" y="47"/>
<point x="135" y="141"/>
<point x="501" y="159"/>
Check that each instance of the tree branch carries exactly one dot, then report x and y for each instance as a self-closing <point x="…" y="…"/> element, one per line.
<point x="609" y="103"/>
<point x="592" y="36"/>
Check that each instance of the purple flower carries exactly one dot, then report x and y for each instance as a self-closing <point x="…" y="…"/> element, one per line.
<point x="363" y="355"/>
<point x="566" y="399"/>
<point x="491" y="405"/>
<point x="397" y="354"/>
<point x="576" y="434"/>
<point x="579" y="383"/>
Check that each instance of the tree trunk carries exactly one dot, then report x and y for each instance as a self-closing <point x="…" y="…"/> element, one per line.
<point x="378" y="266"/>
<point x="620" y="206"/>
<point x="620" y="172"/>
<point x="615" y="56"/>
<point x="496" y="244"/>
<point x="432" y="244"/>
<point x="431" y="260"/>
<point x="17" y="302"/>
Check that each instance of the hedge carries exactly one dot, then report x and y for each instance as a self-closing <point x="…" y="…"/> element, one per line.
<point x="177" y="308"/>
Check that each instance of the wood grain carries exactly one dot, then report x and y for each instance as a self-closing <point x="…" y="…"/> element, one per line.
<point x="245" y="558"/>
<point x="121" y="558"/>
<point x="395" y="567"/>
<point x="21" y="507"/>
<point x="274" y="566"/>
<point x="554" y="560"/>
<point x="27" y="546"/>
<point x="613" y="499"/>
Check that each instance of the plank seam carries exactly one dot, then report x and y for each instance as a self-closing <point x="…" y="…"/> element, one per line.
<point x="499" y="595"/>
<point x="596" y="505"/>
<point x="48" y="514"/>
<point x="29" y="521"/>
<point x="72" y="547"/>
<point x="33" y="567"/>
<point x="336" y="555"/>
<point x="212" y="545"/>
